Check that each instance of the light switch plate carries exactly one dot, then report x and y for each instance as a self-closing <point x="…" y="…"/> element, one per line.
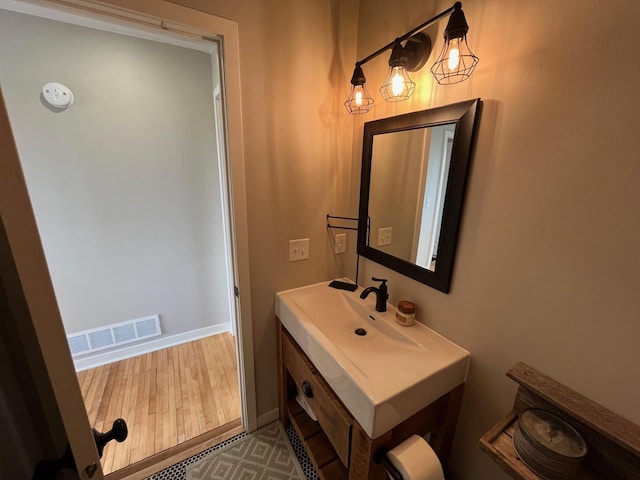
<point x="298" y="249"/>
<point x="340" y="245"/>
<point x="384" y="236"/>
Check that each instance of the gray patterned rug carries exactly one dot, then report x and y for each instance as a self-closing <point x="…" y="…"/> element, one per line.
<point x="265" y="454"/>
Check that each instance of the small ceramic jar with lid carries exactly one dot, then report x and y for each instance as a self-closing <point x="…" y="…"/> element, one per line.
<point x="405" y="314"/>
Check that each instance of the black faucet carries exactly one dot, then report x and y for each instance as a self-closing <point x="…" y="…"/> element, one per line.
<point x="381" y="294"/>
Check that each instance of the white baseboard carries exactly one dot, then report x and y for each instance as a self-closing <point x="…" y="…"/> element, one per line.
<point x="267" y="418"/>
<point x="103" y="358"/>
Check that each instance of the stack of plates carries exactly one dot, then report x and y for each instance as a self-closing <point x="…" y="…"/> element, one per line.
<point x="548" y="445"/>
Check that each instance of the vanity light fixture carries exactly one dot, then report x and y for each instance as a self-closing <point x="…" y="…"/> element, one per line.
<point x="398" y="86"/>
<point x="455" y="63"/>
<point x="359" y="100"/>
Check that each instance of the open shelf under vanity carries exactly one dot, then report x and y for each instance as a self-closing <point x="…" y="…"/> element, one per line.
<point x="324" y="457"/>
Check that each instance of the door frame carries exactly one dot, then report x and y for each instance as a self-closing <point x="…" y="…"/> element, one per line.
<point x="27" y="252"/>
<point x="221" y="145"/>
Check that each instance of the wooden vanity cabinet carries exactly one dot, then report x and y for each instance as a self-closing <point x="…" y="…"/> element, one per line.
<point x="332" y="416"/>
<point x="336" y="444"/>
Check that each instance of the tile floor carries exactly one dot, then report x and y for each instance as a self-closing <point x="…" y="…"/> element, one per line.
<point x="178" y="471"/>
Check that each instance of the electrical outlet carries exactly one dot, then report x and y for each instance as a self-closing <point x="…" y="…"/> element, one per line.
<point x="298" y="249"/>
<point x="384" y="236"/>
<point x="340" y="245"/>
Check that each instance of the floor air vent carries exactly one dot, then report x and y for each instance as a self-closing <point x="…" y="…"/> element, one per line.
<point x="114" y="335"/>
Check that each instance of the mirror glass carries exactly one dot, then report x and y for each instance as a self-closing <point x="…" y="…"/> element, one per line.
<point x="414" y="170"/>
<point x="409" y="170"/>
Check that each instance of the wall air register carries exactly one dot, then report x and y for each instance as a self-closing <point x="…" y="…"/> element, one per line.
<point x="96" y="339"/>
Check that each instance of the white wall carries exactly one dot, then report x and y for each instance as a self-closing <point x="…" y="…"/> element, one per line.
<point x="124" y="183"/>
<point x="547" y="267"/>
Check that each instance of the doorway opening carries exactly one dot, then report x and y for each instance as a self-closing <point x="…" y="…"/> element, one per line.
<point x="129" y="189"/>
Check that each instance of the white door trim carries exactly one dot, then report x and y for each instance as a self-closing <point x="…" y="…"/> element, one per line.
<point x="223" y="170"/>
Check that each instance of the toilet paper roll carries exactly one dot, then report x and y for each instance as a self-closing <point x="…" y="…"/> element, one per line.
<point x="415" y="460"/>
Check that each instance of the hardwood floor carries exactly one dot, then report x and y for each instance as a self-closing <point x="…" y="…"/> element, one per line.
<point x="166" y="397"/>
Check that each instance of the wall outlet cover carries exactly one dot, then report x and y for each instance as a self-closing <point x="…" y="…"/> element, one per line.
<point x="298" y="249"/>
<point x="384" y="236"/>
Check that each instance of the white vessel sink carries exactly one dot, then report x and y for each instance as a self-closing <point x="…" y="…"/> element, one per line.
<point x="382" y="377"/>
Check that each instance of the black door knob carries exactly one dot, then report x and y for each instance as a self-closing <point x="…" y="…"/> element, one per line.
<point x="118" y="432"/>
<point x="307" y="390"/>
<point x="48" y="469"/>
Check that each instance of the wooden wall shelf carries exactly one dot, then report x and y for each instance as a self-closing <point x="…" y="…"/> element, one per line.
<point x="613" y="442"/>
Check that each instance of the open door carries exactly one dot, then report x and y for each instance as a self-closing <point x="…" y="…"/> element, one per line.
<point x="25" y="279"/>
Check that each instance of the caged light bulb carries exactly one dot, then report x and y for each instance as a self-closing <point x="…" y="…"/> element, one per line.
<point x="456" y="62"/>
<point x="359" y="100"/>
<point x="398" y="86"/>
<point x="454" y="54"/>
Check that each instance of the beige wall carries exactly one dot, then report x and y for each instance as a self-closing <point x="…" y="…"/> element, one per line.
<point x="294" y="57"/>
<point x="547" y="267"/>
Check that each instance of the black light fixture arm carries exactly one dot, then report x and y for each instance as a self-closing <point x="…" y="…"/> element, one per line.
<point x="422" y="26"/>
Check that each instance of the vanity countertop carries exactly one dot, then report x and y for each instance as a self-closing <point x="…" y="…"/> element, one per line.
<point x="382" y="377"/>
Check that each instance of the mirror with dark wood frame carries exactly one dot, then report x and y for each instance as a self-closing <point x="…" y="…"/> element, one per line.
<point x="414" y="171"/>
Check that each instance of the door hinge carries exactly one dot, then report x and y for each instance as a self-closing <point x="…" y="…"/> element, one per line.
<point x="236" y="291"/>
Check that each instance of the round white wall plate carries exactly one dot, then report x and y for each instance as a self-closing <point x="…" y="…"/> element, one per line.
<point x="58" y="95"/>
